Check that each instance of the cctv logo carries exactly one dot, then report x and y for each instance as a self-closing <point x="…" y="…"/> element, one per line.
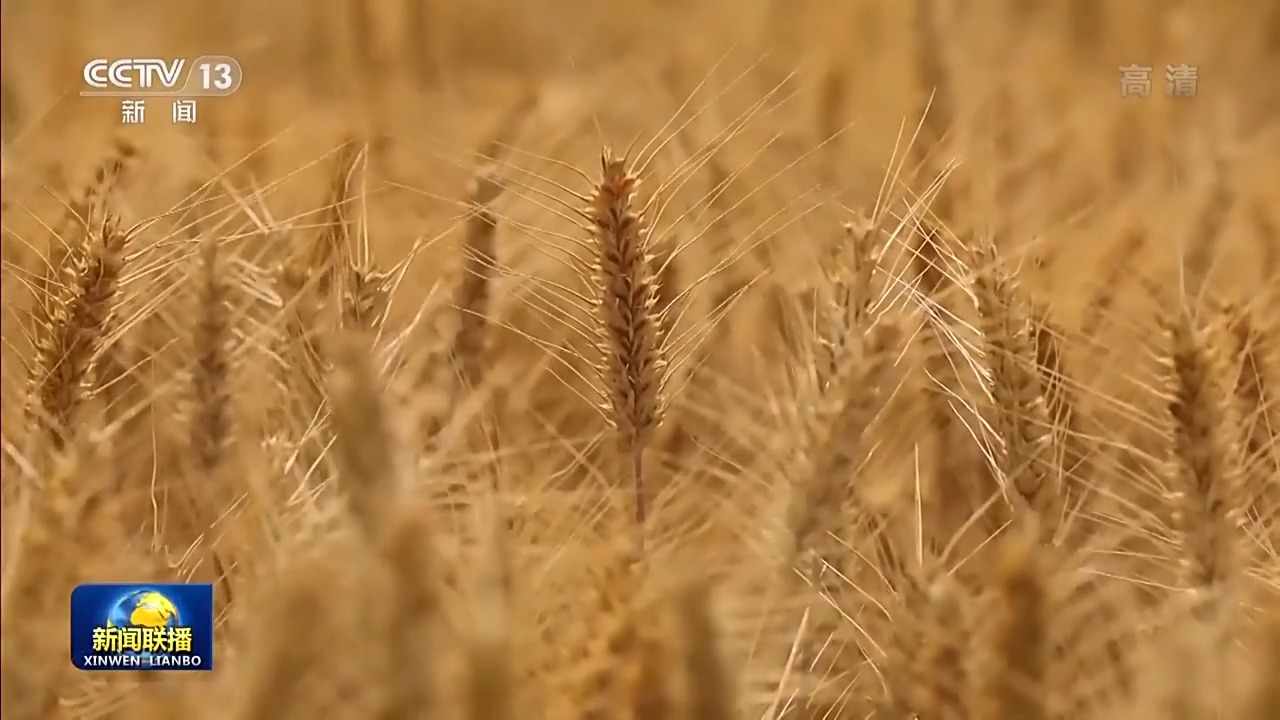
<point x="110" y="77"/>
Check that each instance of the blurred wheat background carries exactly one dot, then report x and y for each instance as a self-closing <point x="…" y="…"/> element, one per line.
<point x="564" y="359"/>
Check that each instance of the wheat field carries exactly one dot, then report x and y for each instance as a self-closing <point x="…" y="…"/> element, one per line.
<point x="660" y="361"/>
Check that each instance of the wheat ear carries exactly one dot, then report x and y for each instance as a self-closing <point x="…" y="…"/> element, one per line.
<point x="1203" y="471"/>
<point x="928" y="672"/>
<point x="330" y="254"/>
<point x="65" y="355"/>
<point x="1061" y="406"/>
<point x="343" y="259"/>
<point x="299" y="363"/>
<point x="371" y="478"/>
<point x="1122" y="257"/>
<point x="473" y="291"/>
<point x="211" y="426"/>
<point x="633" y="370"/>
<point x="1014" y="680"/>
<point x="828" y="516"/>
<point x="1020" y="419"/>
<point x="450" y="347"/>
<point x="363" y="445"/>
<point x="626" y="674"/>
<point x="472" y="294"/>
<point x="365" y="298"/>
<point x="850" y="293"/>
<point x="61" y="289"/>
<point x="839" y="449"/>
<point x="959" y="484"/>
<point x="283" y="659"/>
<point x="414" y="648"/>
<point x="1266" y="227"/>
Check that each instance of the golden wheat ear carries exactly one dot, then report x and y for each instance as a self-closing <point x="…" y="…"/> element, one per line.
<point x="277" y="670"/>
<point x="373" y="480"/>
<point x="629" y="669"/>
<point x="299" y="367"/>
<point x="209" y="429"/>
<point x="927" y="669"/>
<point x="365" y="300"/>
<point x="415" y="646"/>
<point x="848" y="292"/>
<point x="1013" y="681"/>
<point x="343" y="255"/>
<point x="961" y="481"/>
<point x="473" y="293"/>
<point x="330" y="253"/>
<point x="1020" y="418"/>
<point x="363" y="445"/>
<point x="107" y="178"/>
<point x="829" y="522"/>
<point x="1203" y="468"/>
<point x="64" y="357"/>
<point x="78" y="286"/>
<point x="1120" y="259"/>
<point x="211" y="425"/>
<point x="1072" y="451"/>
<point x="633" y="370"/>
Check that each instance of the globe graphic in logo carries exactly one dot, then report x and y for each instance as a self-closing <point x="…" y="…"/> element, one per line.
<point x="143" y="609"/>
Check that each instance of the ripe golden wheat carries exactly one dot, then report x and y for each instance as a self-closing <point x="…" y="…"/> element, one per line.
<point x="597" y="361"/>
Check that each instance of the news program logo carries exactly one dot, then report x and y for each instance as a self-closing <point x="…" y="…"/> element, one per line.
<point x="209" y="75"/>
<point x="134" y="626"/>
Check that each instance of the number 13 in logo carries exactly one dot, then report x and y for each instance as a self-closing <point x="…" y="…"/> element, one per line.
<point x="218" y="74"/>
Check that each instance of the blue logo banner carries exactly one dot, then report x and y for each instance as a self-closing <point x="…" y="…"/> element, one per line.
<point x="142" y="626"/>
